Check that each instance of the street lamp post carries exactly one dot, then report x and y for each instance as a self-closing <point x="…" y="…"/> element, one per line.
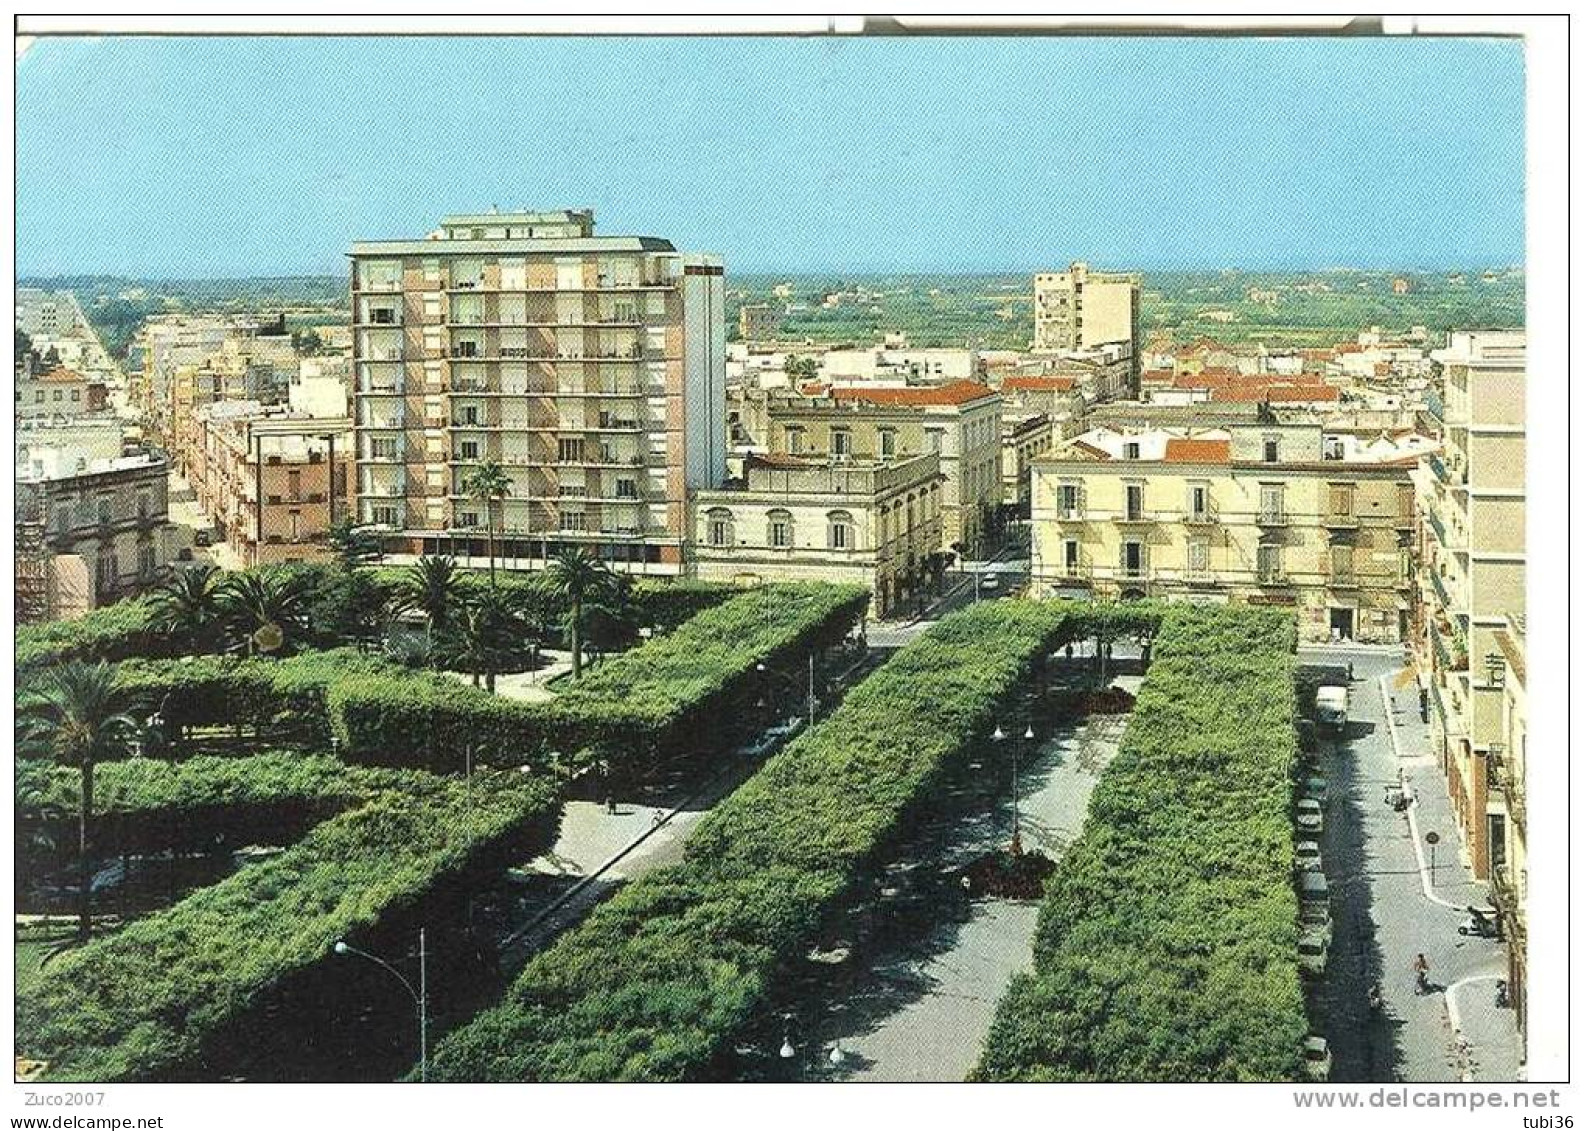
<point x="420" y="995"/>
<point x="999" y="735"/>
<point x="762" y="667"/>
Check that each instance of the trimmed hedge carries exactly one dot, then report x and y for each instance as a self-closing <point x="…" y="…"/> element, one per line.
<point x="114" y="632"/>
<point x="143" y="804"/>
<point x="656" y="982"/>
<point x="1167" y="941"/>
<point x="147" y="1002"/>
<point x="674" y="689"/>
<point x="124" y="630"/>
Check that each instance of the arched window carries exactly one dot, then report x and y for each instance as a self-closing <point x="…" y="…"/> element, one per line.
<point x="840" y="533"/>
<point x="718" y="526"/>
<point x="779" y="529"/>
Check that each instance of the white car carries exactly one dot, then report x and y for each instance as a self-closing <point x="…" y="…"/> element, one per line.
<point x="1309" y="818"/>
<point x="1306" y="856"/>
<point x="1317" y="1058"/>
<point x="1313" y="945"/>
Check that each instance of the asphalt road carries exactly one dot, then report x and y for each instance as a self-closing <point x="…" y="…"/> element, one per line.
<point x="1387" y="907"/>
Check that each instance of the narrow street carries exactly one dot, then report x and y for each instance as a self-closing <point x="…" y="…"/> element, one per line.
<point x="1388" y="904"/>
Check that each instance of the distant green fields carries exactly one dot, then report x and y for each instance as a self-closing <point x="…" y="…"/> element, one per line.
<point x="985" y="311"/>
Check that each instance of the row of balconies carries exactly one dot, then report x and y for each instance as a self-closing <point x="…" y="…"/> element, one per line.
<point x="1265" y="516"/>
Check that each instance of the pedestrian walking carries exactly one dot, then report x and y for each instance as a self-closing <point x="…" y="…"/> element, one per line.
<point x="610" y="804"/>
<point x="1421" y="969"/>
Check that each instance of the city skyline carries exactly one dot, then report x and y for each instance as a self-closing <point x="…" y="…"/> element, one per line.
<point x="233" y="157"/>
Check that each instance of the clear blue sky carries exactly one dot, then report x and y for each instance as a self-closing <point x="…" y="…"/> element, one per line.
<point x="204" y="157"/>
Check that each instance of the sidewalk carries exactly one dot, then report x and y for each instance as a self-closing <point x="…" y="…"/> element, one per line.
<point x="1481" y="1039"/>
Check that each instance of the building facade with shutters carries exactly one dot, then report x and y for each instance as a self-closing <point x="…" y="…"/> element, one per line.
<point x="1271" y="515"/>
<point x="960" y="422"/>
<point x="794" y="519"/>
<point x="1471" y="574"/>
<point x="591" y="369"/>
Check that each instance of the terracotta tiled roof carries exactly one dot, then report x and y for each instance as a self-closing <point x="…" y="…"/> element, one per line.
<point x="1269" y="392"/>
<point x="1156" y="377"/>
<point x="1198" y="451"/>
<point x="955" y="393"/>
<point x="60" y="373"/>
<point x="1090" y="450"/>
<point x="1034" y="384"/>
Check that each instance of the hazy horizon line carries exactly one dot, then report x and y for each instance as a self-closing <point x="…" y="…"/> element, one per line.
<point x="23" y="278"/>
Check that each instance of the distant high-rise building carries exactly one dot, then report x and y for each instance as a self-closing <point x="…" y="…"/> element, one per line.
<point x="757" y="322"/>
<point x="1079" y="309"/>
<point x="591" y="368"/>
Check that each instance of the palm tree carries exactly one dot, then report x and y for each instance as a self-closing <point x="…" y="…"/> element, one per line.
<point x="189" y="605"/>
<point x="579" y="576"/>
<point x="488" y="630"/>
<point x="263" y="608"/>
<point x="77" y="718"/>
<point x="433" y="586"/>
<point x="489" y="483"/>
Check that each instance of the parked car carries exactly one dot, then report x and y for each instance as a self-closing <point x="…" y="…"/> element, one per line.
<point x="1314" y="943"/>
<point x="1316" y="915"/>
<point x="1306" y="856"/>
<point x="1315" y="786"/>
<point x="1309" y="819"/>
<point x="1317" y="1058"/>
<point x="1331" y="708"/>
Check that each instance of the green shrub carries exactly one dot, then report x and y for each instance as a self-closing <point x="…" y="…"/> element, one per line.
<point x="114" y="632"/>
<point x="656" y="983"/>
<point x="1166" y="946"/>
<point x="143" y="804"/>
<point x="147" y="1002"/>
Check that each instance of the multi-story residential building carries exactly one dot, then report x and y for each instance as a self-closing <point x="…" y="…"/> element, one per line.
<point x="1079" y="309"/>
<point x="960" y="422"/>
<point x="109" y="514"/>
<point x="46" y="314"/>
<point x="1022" y="442"/>
<point x="57" y="392"/>
<point x="877" y="524"/>
<point x="166" y="344"/>
<point x="900" y="364"/>
<point x="1274" y="513"/>
<point x="274" y="480"/>
<point x="1509" y="853"/>
<point x="1472" y="567"/>
<point x="757" y="322"/>
<point x="592" y="369"/>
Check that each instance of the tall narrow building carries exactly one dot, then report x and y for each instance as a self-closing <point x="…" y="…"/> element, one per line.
<point x="1079" y="310"/>
<point x="1472" y="569"/>
<point x="590" y="368"/>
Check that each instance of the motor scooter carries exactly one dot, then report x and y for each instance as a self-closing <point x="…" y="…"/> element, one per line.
<point x="1479" y="925"/>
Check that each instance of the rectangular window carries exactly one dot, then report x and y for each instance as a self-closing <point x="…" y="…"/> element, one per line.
<point x="470" y="449"/>
<point x="794" y="440"/>
<point x="1130" y="450"/>
<point x="1342" y="500"/>
<point x="888" y="441"/>
<point x="1199" y="501"/>
<point x="1272" y="449"/>
<point x="1198" y="556"/>
<point x="936" y="438"/>
<point x="1270" y="504"/>
<point x="1135" y="501"/>
<point x="1132" y="559"/>
<point x="106" y="508"/>
<point x="626" y="489"/>
<point x="1270" y="562"/>
<point x="1070" y="555"/>
<point x="718" y="532"/>
<point x="569" y="450"/>
<point x="383" y="515"/>
<point x="1067" y="500"/>
<point x="780" y="533"/>
<point x="382" y="448"/>
<point x="841" y="442"/>
<point x="574" y="520"/>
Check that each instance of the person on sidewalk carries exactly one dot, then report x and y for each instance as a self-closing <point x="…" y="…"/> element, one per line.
<point x="1421" y="969"/>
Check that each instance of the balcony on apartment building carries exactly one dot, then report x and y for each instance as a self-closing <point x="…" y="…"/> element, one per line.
<point x="1201" y="516"/>
<point x="1450" y="655"/>
<point x="1503" y="777"/>
<point x="1338" y="519"/>
<point x="1273" y="577"/>
<point x="1271" y="514"/>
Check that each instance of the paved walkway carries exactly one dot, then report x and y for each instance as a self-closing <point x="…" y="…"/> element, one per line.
<point x="921" y="1009"/>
